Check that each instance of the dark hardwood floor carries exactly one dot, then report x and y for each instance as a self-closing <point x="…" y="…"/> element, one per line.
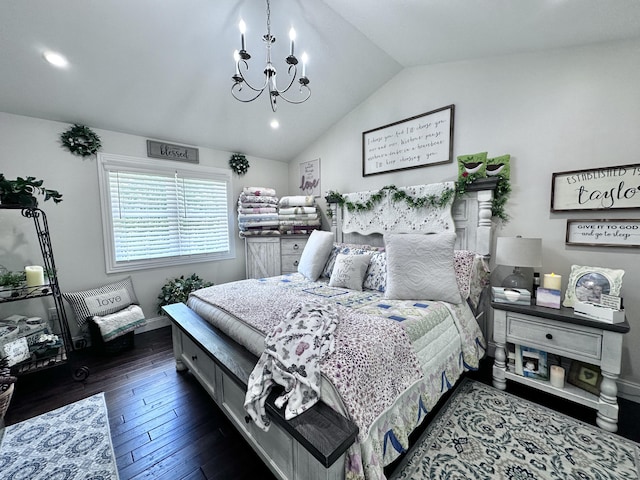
<point x="165" y="426"/>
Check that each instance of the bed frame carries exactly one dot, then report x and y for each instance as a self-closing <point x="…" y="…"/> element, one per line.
<point x="313" y="445"/>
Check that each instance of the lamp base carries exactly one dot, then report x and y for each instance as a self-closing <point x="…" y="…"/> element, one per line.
<point x="516" y="280"/>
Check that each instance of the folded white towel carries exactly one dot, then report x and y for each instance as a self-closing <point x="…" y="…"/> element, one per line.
<point x="123" y="321"/>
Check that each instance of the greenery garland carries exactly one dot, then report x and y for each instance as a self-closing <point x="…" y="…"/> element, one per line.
<point x="501" y="194"/>
<point x="239" y="163"/>
<point x="81" y="140"/>
<point x="397" y="195"/>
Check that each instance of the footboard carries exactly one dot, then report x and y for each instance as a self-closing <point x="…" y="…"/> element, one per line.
<point x="312" y="446"/>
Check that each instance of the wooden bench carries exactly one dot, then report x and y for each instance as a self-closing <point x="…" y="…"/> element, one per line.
<point x="311" y="446"/>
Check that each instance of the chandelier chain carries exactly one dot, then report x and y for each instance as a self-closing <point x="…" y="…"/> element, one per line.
<point x="268" y="19"/>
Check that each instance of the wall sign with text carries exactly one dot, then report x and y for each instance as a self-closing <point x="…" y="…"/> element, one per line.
<point x="310" y="177"/>
<point x="596" y="189"/>
<point x="169" y="151"/>
<point x="415" y="142"/>
<point x="603" y="233"/>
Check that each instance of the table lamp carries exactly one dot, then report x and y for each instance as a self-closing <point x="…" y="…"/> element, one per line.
<point x="518" y="252"/>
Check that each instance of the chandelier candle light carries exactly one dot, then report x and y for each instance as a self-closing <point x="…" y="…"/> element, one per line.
<point x="242" y="67"/>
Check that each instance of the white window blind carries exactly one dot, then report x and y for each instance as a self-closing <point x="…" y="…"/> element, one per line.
<point x="159" y="215"/>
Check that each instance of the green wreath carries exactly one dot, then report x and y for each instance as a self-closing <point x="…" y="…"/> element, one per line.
<point x="81" y="141"/>
<point x="239" y="163"/>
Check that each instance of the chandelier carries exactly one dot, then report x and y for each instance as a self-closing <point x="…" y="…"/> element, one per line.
<point x="242" y="67"/>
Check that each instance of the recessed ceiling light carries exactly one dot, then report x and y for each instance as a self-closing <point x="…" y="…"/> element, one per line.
<point x="275" y="124"/>
<point x="55" y="59"/>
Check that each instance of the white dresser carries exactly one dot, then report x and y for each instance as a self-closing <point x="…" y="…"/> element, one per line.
<point x="271" y="256"/>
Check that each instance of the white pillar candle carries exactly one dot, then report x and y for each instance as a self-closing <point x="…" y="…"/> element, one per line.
<point x="552" y="281"/>
<point x="557" y="376"/>
<point x="35" y="275"/>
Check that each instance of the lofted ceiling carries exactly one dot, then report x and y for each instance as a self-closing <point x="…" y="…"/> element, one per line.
<point x="162" y="69"/>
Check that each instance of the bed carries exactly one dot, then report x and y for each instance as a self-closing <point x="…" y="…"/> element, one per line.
<point x="365" y="349"/>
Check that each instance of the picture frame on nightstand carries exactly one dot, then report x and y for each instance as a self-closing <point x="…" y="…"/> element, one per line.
<point x="585" y="376"/>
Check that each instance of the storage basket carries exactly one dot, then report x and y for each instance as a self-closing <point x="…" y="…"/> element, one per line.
<point x="5" y="399"/>
<point x="112" y="347"/>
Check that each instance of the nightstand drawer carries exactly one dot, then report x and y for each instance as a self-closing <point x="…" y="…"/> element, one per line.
<point x="556" y="338"/>
<point x="292" y="246"/>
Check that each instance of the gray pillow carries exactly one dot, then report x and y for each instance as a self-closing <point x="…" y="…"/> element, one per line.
<point x="421" y="267"/>
<point x="349" y="271"/>
<point x="102" y="300"/>
<point x="315" y="254"/>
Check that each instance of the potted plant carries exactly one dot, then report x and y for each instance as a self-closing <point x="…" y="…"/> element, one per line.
<point x="11" y="283"/>
<point x="178" y="290"/>
<point x="22" y="192"/>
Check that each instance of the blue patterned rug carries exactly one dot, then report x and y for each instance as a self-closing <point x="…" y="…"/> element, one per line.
<point x="70" y="443"/>
<point x="485" y="433"/>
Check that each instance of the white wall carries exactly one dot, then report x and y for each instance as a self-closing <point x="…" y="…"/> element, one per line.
<point x="554" y="111"/>
<point x="30" y="146"/>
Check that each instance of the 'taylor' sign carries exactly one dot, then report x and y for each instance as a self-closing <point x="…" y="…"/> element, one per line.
<point x="596" y="189"/>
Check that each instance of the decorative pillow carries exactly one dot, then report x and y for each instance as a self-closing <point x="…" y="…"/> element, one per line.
<point x="346" y="249"/>
<point x="376" y="277"/>
<point x="102" y="300"/>
<point x="349" y="271"/>
<point x="421" y="267"/>
<point x="586" y="284"/>
<point x="463" y="264"/>
<point x="315" y="254"/>
<point x="472" y="165"/>
<point x="499" y="166"/>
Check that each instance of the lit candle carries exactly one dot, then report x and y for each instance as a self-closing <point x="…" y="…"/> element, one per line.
<point x="243" y="29"/>
<point x="552" y="281"/>
<point x="292" y="37"/>
<point x="304" y="64"/>
<point x="557" y="376"/>
<point x="35" y="275"/>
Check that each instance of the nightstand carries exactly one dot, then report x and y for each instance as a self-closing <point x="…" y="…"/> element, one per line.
<point x="570" y="336"/>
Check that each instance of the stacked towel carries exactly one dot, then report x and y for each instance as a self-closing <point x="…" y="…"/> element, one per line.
<point x="258" y="212"/>
<point x="298" y="215"/>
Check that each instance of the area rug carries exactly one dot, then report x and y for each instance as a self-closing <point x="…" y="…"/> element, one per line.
<point x="70" y="443"/>
<point x="485" y="433"/>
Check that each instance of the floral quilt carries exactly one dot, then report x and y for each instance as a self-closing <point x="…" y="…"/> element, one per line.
<point x="392" y="361"/>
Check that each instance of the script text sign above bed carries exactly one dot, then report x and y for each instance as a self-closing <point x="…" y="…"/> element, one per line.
<point x="415" y="142"/>
<point x="605" y="188"/>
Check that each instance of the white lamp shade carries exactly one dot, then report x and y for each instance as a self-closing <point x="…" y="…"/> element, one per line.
<point x="519" y="252"/>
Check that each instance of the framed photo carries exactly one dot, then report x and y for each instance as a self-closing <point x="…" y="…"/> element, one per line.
<point x="605" y="188"/>
<point x="585" y="376"/>
<point x="587" y="284"/>
<point x="603" y="233"/>
<point x="310" y="178"/>
<point x="415" y="142"/>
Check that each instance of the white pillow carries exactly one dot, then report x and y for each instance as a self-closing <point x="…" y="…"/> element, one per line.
<point x="349" y="271"/>
<point x="315" y="254"/>
<point x="421" y="267"/>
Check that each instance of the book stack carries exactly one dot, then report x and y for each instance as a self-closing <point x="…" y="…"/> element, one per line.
<point x="515" y="296"/>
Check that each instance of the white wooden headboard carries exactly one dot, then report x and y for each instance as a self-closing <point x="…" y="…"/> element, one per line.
<point x="471" y="214"/>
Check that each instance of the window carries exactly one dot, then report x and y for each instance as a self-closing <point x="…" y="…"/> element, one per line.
<point x="160" y="213"/>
